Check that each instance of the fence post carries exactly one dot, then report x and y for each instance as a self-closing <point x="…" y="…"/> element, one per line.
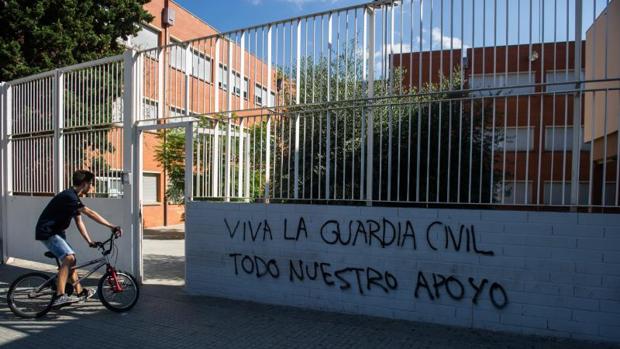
<point x="4" y="172"/>
<point x="59" y="122"/>
<point x="576" y="150"/>
<point x="216" y="108"/>
<point x="369" y="31"/>
<point x="297" y="89"/>
<point x="268" y="136"/>
<point x="132" y="159"/>
<point x="161" y="98"/>
<point x="328" y="116"/>
<point x="189" y="161"/>
<point x="215" y="162"/>
<point x="242" y="91"/>
<point x="188" y="72"/>
<point x="231" y="86"/>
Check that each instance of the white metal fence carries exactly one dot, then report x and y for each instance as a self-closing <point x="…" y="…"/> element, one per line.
<point x="500" y="102"/>
<point x="63" y="120"/>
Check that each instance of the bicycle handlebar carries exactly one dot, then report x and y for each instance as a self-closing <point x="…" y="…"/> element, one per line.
<point x="116" y="233"/>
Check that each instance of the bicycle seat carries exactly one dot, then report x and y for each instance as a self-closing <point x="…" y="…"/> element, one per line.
<point x="49" y="254"/>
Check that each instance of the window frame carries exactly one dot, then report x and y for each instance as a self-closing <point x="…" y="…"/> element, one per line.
<point x="530" y="147"/>
<point x="208" y="61"/>
<point x="157" y="176"/>
<point x="569" y="139"/>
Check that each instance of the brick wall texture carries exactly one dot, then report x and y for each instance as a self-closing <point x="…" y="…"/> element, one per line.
<point x="542" y="273"/>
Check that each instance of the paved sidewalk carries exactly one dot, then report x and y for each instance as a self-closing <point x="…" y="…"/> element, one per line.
<point x="164" y="261"/>
<point x="165" y="317"/>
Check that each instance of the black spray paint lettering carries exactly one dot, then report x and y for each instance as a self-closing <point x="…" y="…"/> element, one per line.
<point x="457" y="291"/>
<point x="384" y="234"/>
<point x="478" y="288"/>
<point x="301" y="228"/>
<point x="365" y="279"/>
<point x="255" y="265"/>
<point x="252" y="229"/>
<point x="440" y="230"/>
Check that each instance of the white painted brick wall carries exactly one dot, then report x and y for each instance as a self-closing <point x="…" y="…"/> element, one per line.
<point x="560" y="271"/>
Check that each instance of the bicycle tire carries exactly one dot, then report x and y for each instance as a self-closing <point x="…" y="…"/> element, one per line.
<point x="46" y="305"/>
<point x="104" y="289"/>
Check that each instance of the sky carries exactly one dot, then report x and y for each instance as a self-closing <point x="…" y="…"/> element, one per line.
<point x="226" y="15"/>
<point x="418" y="24"/>
<point x="548" y="17"/>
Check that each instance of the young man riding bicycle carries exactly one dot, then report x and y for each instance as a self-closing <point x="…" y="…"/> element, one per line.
<point x="50" y="230"/>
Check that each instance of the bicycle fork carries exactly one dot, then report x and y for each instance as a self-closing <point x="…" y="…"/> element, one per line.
<point x="113" y="279"/>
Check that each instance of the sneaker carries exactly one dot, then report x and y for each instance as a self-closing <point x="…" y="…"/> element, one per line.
<point x="63" y="300"/>
<point x="87" y="292"/>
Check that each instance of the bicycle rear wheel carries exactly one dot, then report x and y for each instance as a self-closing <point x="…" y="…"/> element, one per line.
<point x="26" y="298"/>
<point x="118" y="301"/>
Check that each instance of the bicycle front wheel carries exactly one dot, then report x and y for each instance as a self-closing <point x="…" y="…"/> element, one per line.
<point x="31" y="295"/>
<point x="118" y="300"/>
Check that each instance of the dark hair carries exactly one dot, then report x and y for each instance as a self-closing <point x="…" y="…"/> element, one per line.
<point x="81" y="176"/>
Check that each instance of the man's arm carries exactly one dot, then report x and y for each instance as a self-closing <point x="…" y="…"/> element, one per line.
<point x="82" y="229"/>
<point x="96" y="217"/>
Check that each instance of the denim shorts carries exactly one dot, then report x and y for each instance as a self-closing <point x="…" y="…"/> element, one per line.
<point x="58" y="246"/>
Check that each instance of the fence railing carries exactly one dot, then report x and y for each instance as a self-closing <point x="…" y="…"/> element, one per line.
<point x="457" y="102"/>
<point x="423" y="148"/>
<point x="63" y="120"/>
<point x="494" y="102"/>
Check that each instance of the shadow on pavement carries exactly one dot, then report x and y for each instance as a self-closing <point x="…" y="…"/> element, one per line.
<point x="164" y="267"/>
<point x="166" y="317"/>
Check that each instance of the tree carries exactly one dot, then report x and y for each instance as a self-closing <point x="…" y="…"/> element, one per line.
<point x="439" y="122"/>
<point x="452" y="133"/>
<point x="171" y="155"/>
<point x="42" y="35"/>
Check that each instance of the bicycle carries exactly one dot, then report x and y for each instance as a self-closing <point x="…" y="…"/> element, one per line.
<point x="31" y="295"/>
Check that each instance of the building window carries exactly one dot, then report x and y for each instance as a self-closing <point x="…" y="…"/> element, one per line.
<point x="222" y="74"/>
<point x="145" y="39"/>
<point x="149" y="109"/>
<point x="516" y="138"/>
<point x="558" y="138"/>
<point x="507" y="81"/>
<point x="177" y="55"/>
<point x="201" y="66"/>
<point x="150" y="186"/>
<point x="246" y="86"/>
<point x="554" y="189"/>
<point x="514" y="192"/>
<point x="236" y="83"/>
<point x="112" y="186"/>
<point x="562" y="76"/>
<point x="610" y="194"/>
<point x="258" y="94"/>
<point x="117" y="110"/>
<point x="175" y="111"/>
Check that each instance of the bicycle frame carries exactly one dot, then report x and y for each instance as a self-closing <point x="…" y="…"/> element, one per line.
<point x="99" y="262"/>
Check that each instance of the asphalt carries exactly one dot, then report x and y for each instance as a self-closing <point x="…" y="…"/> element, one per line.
<point x="166" y="317"/>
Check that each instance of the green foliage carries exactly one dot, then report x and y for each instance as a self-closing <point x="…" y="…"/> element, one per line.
<point x="170" y="153"/>
<point x="439" y="122"/>
<point x="42" y="35"/>
<point x="450" y="131"/>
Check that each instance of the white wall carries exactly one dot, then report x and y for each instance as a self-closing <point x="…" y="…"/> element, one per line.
<point x="23" y="213"/>
<point x="560" y="272"/>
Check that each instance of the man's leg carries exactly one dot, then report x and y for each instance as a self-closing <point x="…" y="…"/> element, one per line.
<point x="73" y="277"/>
<point x="67" y="263"/>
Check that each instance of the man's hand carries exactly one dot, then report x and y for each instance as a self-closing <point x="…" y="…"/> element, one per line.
<point x="117" y="231"/>
<point x="95" y="244"/>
